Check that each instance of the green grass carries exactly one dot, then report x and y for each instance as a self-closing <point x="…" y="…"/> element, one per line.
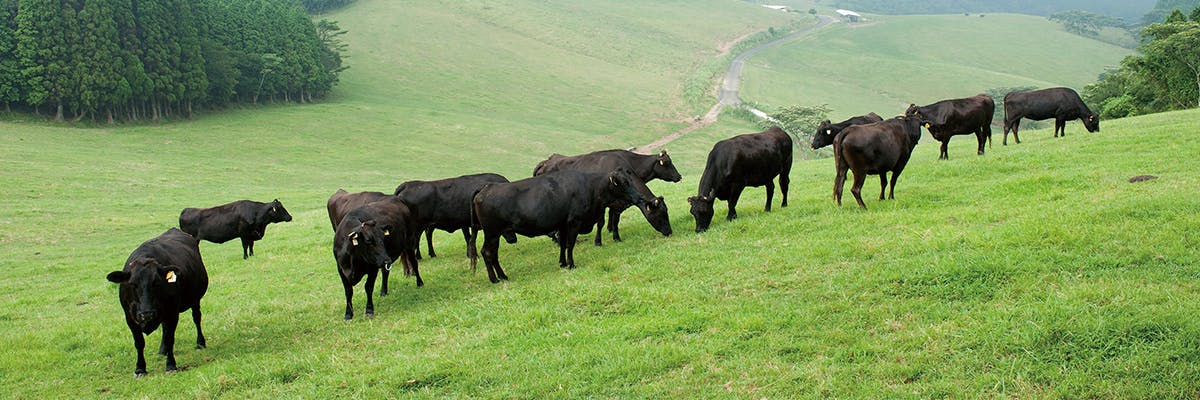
<point x="894" y="61"/>
<point x="1033" y="271"/>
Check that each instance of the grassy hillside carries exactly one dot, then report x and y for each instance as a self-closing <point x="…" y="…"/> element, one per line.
<point x="1033" y="271"/>
<point x="898" y="60"/>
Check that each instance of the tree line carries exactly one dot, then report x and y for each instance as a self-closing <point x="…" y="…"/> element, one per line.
<point x="1165" y="75"/>
<point x="139" y="59"/>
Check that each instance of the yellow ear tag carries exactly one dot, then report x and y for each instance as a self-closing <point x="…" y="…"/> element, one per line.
<point x="354" y="242"/>
<point x="926" y="125"/>
<point x="171" y="277"/>
<point x="387" y="232"/>
<point x="662" y="162"/>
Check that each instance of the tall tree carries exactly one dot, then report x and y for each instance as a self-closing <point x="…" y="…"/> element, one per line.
<point x="10" y="68"/>
<point x="1173" y="58"/>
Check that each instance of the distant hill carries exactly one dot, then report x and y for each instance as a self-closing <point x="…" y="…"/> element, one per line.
<point x="1130" y="10"/>
<point x="1163" y="8"/>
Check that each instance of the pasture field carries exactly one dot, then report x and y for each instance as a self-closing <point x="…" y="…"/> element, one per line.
<point x="1033" y="271"/>
<point x="884" y="65"/>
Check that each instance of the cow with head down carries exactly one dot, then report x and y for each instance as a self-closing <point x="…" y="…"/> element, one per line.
<point x="367" y="240"/>
<point x="826" y="131"/>
<point x="1062" y="104"/>
<point x="162" y="278"/>
<point x="752" y="159"/>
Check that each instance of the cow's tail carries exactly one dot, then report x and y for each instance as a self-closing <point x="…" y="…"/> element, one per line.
<point x="472" y="250"/>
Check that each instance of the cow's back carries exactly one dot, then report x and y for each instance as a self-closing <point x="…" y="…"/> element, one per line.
<point x="1045" y="103"/>
<point x="753" y="159"/>
<point x="342" y="202"/>
<point x="177" y="248"/>
<point x="535" y="206"/>
<point x="221" y="223"/>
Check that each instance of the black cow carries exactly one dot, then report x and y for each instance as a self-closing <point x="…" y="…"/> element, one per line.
<point x="368" y="239"/>
<point x="1062" y="104"/>
<point x="644" y="167"/>
<point x="947" y="118"/>
<point x="342" y="202"/>
<point x="162" y="278"/>
<point x="445" y="204"/>
<point x="872" y="149"/>
<point x="568" y="202"/>
<point x="826" y="131"/>
<point x="752" y="159"/>
<point x="243" y="219"/>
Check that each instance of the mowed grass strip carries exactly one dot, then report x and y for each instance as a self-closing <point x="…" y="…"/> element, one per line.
<point x="1036" y="270"/>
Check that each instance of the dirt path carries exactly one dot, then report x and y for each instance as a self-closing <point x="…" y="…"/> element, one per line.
<point x="728" y="88"/>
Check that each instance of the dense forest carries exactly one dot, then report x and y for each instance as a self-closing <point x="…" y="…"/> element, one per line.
<point x="1163" y="8"/>
<point x="137" y="59"/>
<point x="1131" y="10"/>
<point x="318" y="6"/>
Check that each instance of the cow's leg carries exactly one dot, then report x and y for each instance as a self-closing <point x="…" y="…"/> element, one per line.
<point x="349" y="288"/>
<point x="246" y="247"/>
<point x="942" y="154"/>
<point x="200" y="342"/>
<point x="139" y="343"/>
<point x="882" y="184"/>
<point x="168" y="338"/>
<point x="614" y="221"/>
<point x="839" y="182"/>
<point x="562" y="252"/>
<point x="783" y="186"/>
<point x="599" y="229"/>
<point x="981" y="136"/>
<point x="892" y="189"/>
<point x="859" y="178"/>
<point x="369" y="288"/>
<point x="491" y="261"/>
<point x="1007" y="126"/>
<point x="472" y="253"/>
<point x="467" y="239"/>
<point x="383" y="288"/>
<point x="1016" y="127"/>
<point x="411" y="259"/>
<point x="428" y="243"/>
<point x="734" y="193"/>
<point x="770" y="194"/>
<point x="1060" y="125"/>
<point x="570" y="239"/>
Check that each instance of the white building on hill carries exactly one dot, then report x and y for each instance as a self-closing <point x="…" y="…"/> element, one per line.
<point x="850" y="16"/>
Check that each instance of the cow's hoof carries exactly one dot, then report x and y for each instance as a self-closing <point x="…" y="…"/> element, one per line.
<point x="172" y="369"/>
<point x="139" y="373"/>
<point x="200" y="346"/>
<point x="348" y="317"/>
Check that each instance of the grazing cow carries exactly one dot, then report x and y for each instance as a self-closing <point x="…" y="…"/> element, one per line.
<point x="947" y="118"/>
<point x="368" y="239"/>
<point x="445" y="204"/>
<point x="826" y="131"/>
<point x="568" y="202"/>
<point x="243" y="219"/>
<point x="644" y="167"/>
<point x="752" y="159"/>
<point x="162" y="278"/>
<point x="1062" y="104"/>
<point x="871" y="149"/>
<point x="342" y="202"/>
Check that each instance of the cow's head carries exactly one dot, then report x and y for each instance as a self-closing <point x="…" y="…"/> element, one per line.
<point x="702" y="210"/>
<point x="824" y="135"/>
<point x="664" y="169"/>
<point x="655" y="212"/>
<point x="276" y="212"/>
<point x="151" y="284"/>
<point x="621" y="186"/>
<point x="1092" y="123"/>
<point x="914" y="111"/>
<point x="368" y="242"/>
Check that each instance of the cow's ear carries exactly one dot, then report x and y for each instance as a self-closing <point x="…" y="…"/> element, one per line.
<point x="692" y="200"/>
<point x="118" y="277"/>
<point x="170" y="273"/>
<point x="662" y="153"/>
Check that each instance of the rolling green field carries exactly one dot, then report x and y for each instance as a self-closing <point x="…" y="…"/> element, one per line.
<point x="1036" y="270"/>
<point x="886" y="64"/>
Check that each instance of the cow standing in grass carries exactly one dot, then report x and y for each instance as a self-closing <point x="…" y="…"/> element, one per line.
<point x="752" y="159"/>
<point x="367" y="240"/>
<point x="243" y="219"/>
<point x="1062" y="104"/>
<point x="445" y="204"/>
<point x="162" y="278"/>
<point x="644" y="167"/>
<point x="569" y="202"/>
<point x="948" y="118"/>
<point x="872" y="149"/>
<point x="342" y="202"/>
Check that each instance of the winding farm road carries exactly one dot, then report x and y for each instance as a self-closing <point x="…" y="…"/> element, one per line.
<point x="728" y="90"/>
